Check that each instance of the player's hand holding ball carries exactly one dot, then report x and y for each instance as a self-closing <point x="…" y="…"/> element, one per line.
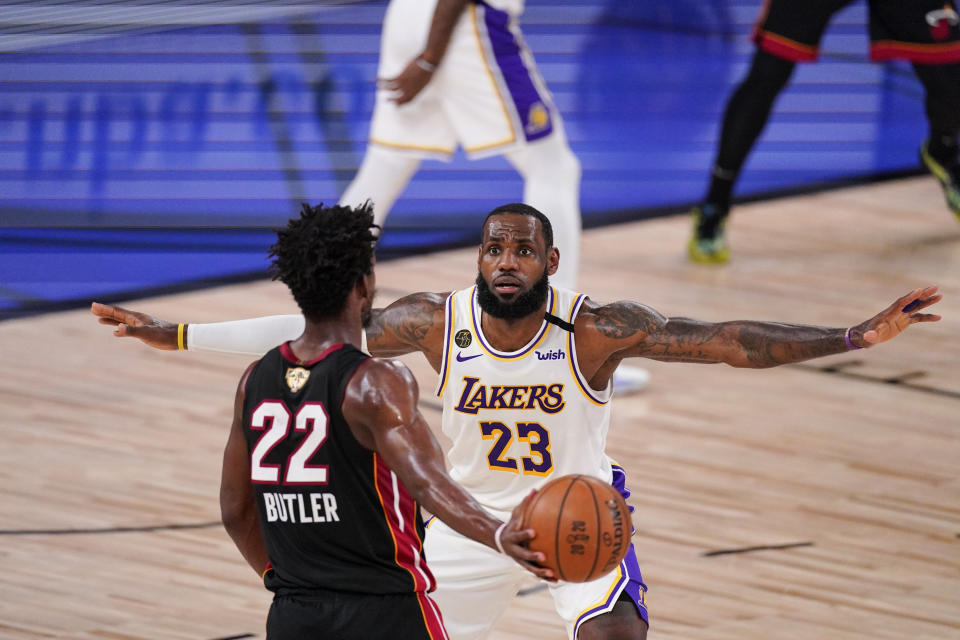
<point x="582" y="525"/>
<point x="516" y="538"/>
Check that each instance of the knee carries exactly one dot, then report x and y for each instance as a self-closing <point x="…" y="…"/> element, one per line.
<point x="554" y="161"/>
<point x="768" y="74"/>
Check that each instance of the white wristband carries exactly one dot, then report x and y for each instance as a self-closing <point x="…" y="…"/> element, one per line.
<point x="496" y="538"/>
<point x="427" y="66"/>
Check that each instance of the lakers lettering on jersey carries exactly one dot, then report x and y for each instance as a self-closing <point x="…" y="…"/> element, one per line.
<point x="518" y="418"/>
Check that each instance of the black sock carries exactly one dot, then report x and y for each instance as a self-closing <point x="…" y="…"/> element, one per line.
<point x="942" y="85"/>
<point x="745" y="116"/>
<point x="943" y="147"/>
<point x="721" y="188"/>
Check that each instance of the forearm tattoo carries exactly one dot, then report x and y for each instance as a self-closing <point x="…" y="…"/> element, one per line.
<point x="767" y="344"/>
<point x="740" y="343"/>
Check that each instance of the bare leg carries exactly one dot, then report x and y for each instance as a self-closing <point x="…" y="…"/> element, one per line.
<point x="622" y="623"/>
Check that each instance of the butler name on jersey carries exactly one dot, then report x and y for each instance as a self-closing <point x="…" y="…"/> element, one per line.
<point x="299" y="507"/>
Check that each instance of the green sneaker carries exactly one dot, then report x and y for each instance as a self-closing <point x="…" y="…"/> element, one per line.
<point x="949" y="177"/>
<point x="707" y="244"/>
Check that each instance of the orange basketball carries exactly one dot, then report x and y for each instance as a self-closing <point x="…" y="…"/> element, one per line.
<point x="583" y="527"/>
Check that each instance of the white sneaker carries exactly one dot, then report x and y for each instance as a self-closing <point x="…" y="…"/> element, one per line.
<point x="629" y="379"/>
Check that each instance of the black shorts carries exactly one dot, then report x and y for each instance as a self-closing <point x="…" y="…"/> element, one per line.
<point x="921" y="31"/>
<point x="338" y="615"/>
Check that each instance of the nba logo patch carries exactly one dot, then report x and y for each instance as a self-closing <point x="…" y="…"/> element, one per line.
<point x="296" y="378"/>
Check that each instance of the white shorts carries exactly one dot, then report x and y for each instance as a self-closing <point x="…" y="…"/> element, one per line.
<point x="486" y="96"/>
<point x="475" y="585"/>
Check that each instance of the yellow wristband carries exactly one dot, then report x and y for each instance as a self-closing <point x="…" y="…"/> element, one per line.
<point x="180" y="328"/>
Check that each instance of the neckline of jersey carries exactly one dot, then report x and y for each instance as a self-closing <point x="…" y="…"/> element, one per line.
<point x="288" y="354"/>
<point x="476" y="314"/>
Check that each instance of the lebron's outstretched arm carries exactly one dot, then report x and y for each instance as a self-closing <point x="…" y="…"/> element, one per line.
<point x="643" y="332"/>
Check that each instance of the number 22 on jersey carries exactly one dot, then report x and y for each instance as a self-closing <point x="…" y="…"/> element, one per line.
<point x="273" y="417"/>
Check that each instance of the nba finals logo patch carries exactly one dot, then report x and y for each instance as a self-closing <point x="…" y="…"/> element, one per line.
<point x="463" y="338"/>
<point x="296" y="378"/>
<point x="538" y="118"/>
<point x="940" y="22"/>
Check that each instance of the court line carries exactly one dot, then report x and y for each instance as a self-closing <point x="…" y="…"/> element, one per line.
<point x="144" y="529"/>
<point x="762" y="547"/>
<point x="901" y="380"/>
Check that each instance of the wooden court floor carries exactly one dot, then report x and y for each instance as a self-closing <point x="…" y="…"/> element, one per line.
<point x="842" y="475"/>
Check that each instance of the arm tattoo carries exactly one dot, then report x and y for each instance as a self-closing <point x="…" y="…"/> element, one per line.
<point x="621" y="320"/>
<point x="404" y="326"/>
<point x="681" y="340"/>
<point x="756" y="345"/>
<point x="749" y="344"/>
<point x="412" y="323"/>
<point x="768" y="344"/>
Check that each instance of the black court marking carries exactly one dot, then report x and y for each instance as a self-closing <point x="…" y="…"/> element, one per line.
<point x="532" y="590"/>
<point x="242" y="635"/>
<point x="146" y="529"/>
<point x="763" y="547"/>
<point x="902" y="380"/>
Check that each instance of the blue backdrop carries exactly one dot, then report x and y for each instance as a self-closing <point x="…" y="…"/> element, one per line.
<point x="146" y="147"/>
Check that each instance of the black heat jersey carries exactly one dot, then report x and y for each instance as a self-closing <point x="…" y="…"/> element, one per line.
<point x="333" y="515"/>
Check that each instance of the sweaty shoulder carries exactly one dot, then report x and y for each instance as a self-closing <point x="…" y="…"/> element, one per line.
<point x="382" y="378"/>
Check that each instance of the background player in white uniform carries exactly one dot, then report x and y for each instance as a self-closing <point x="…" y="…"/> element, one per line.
<point x="457" y="73"/>
<point x="513" y="294"/>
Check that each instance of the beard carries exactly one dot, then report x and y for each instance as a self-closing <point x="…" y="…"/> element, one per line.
<point x="524" y="304"/>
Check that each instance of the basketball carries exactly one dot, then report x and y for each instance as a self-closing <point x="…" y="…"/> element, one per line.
<point x="582" y="526"/>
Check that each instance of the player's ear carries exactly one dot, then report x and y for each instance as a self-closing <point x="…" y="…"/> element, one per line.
<point x="366" y="286"/>
<point x="553" y="260"/>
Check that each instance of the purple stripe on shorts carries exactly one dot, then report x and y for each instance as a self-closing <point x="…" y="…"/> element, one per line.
<point x="531" y="107"/>
<point x="634" y="589"/>
<point x="620" y="483"/>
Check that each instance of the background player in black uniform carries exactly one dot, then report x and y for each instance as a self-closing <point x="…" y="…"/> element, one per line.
<point x="925" y="32"/>
<point x="328" y="458"/>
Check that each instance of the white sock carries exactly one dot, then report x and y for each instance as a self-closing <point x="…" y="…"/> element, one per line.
<point x="551" y="175"/>
<point x="382" y="177"/>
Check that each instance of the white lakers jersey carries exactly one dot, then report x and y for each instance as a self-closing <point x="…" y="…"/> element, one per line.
<point x="518" y="419"/>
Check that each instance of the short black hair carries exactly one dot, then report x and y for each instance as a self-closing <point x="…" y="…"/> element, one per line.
<point x="322" y="255"/>
<point x="524" y="210"/>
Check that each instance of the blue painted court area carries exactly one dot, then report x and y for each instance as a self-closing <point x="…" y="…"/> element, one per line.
<point x="157" y="158"/>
